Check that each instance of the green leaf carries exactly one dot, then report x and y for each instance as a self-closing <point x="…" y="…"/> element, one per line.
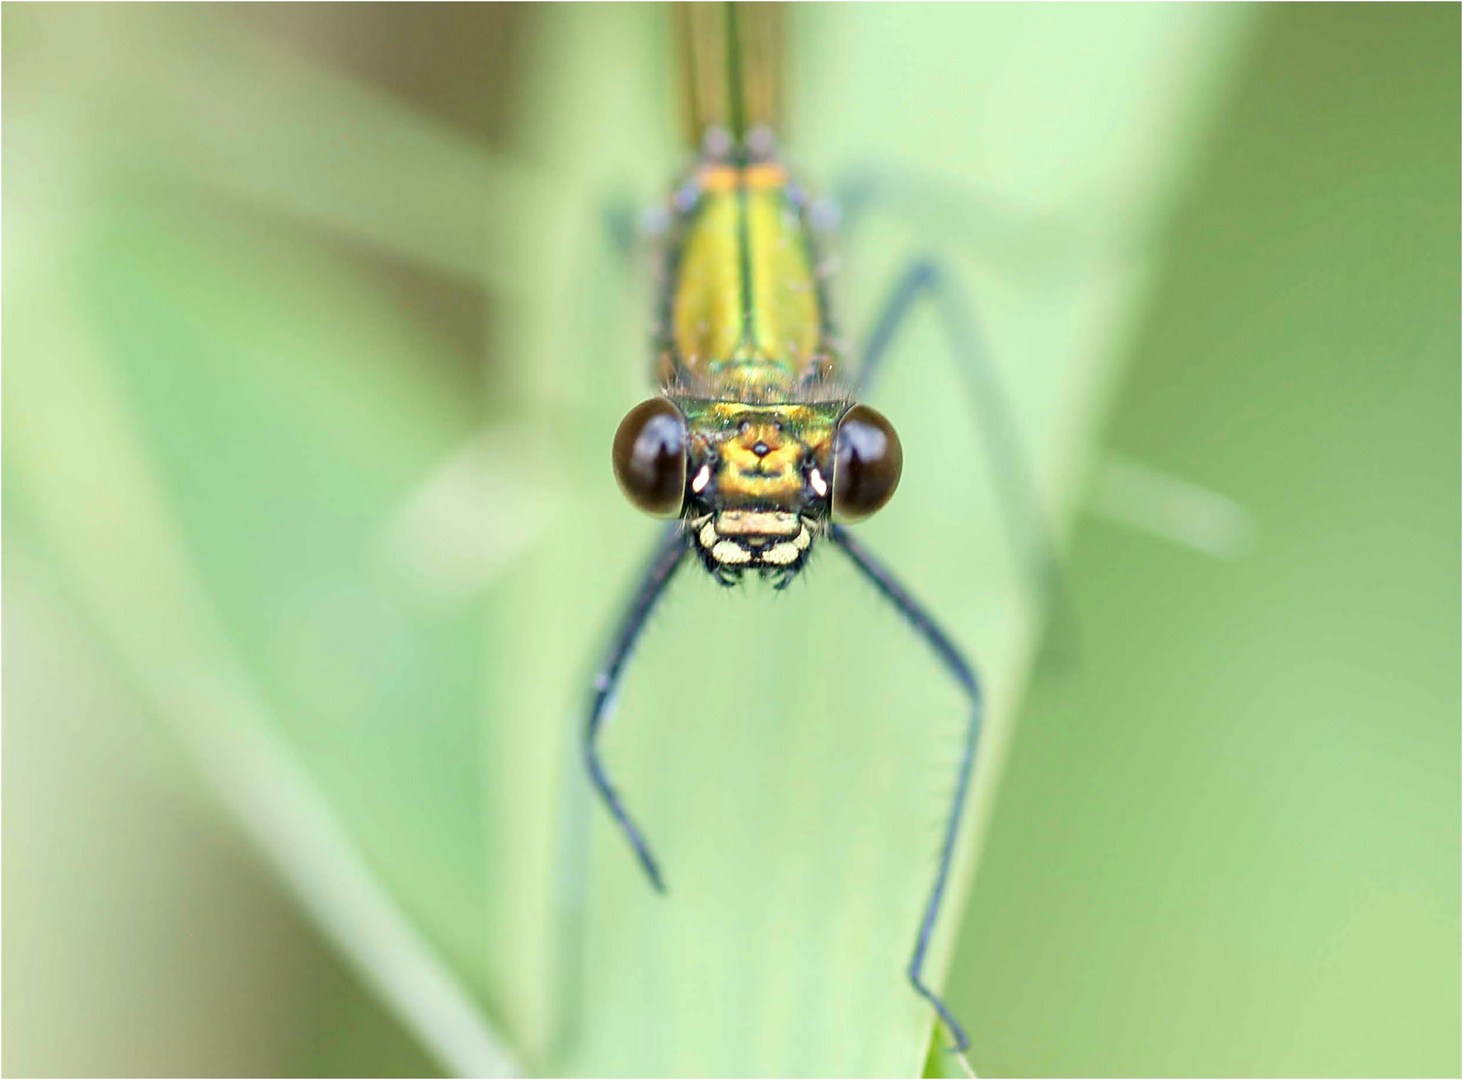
<point x="791" y="756"/>
<point x="375" y="624"/>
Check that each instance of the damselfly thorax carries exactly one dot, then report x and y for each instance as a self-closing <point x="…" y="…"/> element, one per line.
<point x="756" y="440"/>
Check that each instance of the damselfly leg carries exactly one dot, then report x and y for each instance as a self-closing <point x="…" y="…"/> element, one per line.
<point x="1029" y="533"/>
<point x="670" y="553"/>
<point x="960" y="670"/>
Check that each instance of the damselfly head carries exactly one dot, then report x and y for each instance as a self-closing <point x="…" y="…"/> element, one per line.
<point x="756" y="484"/>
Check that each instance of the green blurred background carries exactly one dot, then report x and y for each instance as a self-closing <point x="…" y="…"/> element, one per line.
<point x="313" y="346"/>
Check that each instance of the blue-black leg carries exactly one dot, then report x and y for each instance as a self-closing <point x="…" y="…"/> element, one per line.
<point x="959" y="669"/>
<point x="670" y="552"/>
<point x="1022" y="243"/>
<point x="1014" y="477"/>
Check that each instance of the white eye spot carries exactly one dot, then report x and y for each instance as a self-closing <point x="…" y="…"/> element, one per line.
<point x="728" y="552"/>
<point x="703" y="478"/>
<point x="815" y="478"/>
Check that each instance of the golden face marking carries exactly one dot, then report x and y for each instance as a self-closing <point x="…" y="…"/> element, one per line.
<point x="765" y="497"/>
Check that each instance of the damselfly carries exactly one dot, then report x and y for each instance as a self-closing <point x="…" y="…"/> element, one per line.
<point x="758" y="446"/>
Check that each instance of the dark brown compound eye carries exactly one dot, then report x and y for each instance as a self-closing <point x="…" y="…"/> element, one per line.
<point x="867" y="461"/>
<point x="650" y="457"/>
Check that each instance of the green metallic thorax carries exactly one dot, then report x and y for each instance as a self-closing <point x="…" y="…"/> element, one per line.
<point x="744" y="315"/>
